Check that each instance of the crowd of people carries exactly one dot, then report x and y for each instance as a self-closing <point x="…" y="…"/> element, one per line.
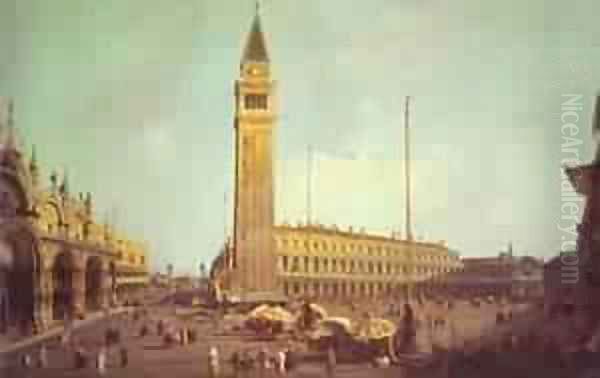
<point x="84" y="352"/>
<point x="269" y="359"/>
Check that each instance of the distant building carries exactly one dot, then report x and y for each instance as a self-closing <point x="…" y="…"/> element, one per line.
<point x="183" y="282"/>
<point x="502" y="275"/>
<point x="528" y="278"/>
<point x="560" y="284"/>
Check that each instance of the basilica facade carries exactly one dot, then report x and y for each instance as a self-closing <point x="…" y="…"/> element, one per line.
<point x="57" y="261"/>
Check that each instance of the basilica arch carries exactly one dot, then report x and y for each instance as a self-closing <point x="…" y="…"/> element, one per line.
<point x="62" y="283"/>
<point x="19" y="276"/>
<point x="94" y="283"/>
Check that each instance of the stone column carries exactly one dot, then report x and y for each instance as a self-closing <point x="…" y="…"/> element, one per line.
<point x="37" y="325"/>
<point x="46" y="294"/>
<point x="78" y="288"/>
<point x="106" y="287"/>
<point x="113" y="285"/>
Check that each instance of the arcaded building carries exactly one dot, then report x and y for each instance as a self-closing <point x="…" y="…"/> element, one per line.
<point x="319" y="261"/>
<point x="56" y="260"/>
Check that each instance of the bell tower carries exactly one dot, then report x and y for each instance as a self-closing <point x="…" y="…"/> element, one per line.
<point x="254" y="262"/>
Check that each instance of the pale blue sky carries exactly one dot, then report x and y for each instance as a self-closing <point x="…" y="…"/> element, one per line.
<point x="135" y="99"/>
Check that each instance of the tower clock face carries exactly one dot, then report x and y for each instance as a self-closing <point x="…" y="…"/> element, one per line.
<point x="254" y="71"/>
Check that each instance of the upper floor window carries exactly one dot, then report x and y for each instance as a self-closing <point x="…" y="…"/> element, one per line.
<point x="284" y="262"/>
<point x="255" y="102"/>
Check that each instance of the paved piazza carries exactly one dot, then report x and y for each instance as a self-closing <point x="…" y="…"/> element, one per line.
<point x="149" y="359"/>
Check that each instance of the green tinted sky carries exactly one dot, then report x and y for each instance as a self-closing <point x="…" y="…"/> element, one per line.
<point x="135" y="99"/>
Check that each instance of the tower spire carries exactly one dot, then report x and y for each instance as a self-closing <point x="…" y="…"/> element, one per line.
<point x="33" y="160"/>
<point x="11" y="142"/>
<point x="64" y="187"/>
<point x="33" y="166"/>
<point x="256" y="47"/>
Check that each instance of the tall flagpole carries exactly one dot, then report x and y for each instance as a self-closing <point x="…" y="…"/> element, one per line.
<point x="225" y="216"/>
<point x="309" y="159"/>
<point x="409" y="234"/>
<point x="408" y="225"/>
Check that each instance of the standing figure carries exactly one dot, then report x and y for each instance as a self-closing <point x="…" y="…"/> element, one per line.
<point x="26" y="360"/>
<point x="290" y="359"/>
<point x="235" y="363"/>
<point x="66" y="335"/>
<point x="246" y="364"/>
<point x="262" y="362"/>
<point x="144" y="330"/>
<point x="184" y="335"/>
<point x="281" y="362"/>
<point x="192" y="335"/>
<point x="409" y="330"/>
<point x="213" y="362"/>
<point x="124" y="353"/>
<point x="160" y="327"/>
<point x="43" y="357"/>
<point x="80" y="357"/>
<point x="331" y="362"/>
<point x="101" y="361"/>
